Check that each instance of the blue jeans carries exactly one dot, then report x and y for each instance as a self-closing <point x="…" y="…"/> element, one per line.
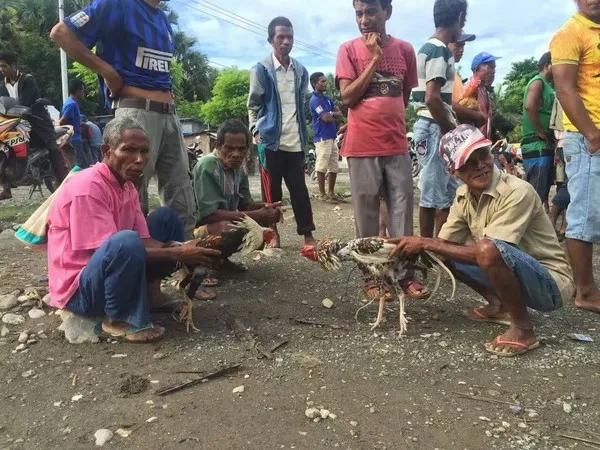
<point x="437" y="186"/>
<point x="539" y="288"/>
<point x="540" y="174"/>
<point x="115" y="281"/>
<point x="583" y="172"/>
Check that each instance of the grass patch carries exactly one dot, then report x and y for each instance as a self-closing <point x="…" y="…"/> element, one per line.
<point x="18" y="213"/>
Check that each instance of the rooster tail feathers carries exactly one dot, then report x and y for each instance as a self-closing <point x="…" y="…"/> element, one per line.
<point x="253" y="237"/>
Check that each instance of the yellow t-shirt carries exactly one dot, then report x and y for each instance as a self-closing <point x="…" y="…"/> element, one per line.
<point x="578" y="42"/>
<point x="511" y="211"/>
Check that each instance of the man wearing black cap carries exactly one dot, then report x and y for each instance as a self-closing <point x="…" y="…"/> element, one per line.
<point x="463" y="114"/>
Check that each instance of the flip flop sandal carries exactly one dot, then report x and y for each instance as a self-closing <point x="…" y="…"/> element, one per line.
<point x="168" y="307"/>
<point x="372" y="296"/>
<point x="476" y="315"/>
<point x="210" y="282"/>
<point x="123" y="337"/>
<point x="415" y="294"/>
<point x="511" y="348"/>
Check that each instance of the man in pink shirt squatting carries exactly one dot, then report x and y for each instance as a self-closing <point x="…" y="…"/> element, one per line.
<point x="103" y="255"/>
<point x="376" y="73"/>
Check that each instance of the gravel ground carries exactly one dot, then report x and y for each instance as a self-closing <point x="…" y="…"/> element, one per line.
<point x="434" y="388"/>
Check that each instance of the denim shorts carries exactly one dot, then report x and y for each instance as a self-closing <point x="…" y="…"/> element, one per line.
<point x="540" y="174"/>
<point x="437" y="186"/>
<point x="583" y="172"/>
<point x="539" y="288"/>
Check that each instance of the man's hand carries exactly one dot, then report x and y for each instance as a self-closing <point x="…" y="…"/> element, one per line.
<point x="257" y="138"/>
<point x="269" y="215"/>
<point x="373" y="43"/>
<point x="595" y="143"/>
<point x="543" y="136"/>
<point x="191" y="255"/>
<point x="407" y="247"/>
<point x="113" y="81"/>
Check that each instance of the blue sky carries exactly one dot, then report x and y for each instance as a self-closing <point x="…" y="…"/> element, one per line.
<point x="511" y="29"/>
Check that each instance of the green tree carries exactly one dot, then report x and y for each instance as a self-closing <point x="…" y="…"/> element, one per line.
<point x="229" y="97"/>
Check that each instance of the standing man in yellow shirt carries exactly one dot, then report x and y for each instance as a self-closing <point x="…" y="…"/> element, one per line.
<point x="576" y="66"/>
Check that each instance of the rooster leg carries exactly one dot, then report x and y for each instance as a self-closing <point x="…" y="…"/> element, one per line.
<point x="379" y="313"/>
<point x="402" y="314"/>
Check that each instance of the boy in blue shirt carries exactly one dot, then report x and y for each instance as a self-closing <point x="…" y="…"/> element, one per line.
<point x="71" y="115"/>
<point x="325" y="115"/>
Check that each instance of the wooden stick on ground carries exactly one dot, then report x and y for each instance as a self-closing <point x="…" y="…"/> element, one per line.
<point x="178" y="387"/>
<point x="595" y="444"/>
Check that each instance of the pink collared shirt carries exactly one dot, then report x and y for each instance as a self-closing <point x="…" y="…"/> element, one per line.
<point x="90" y="208"/>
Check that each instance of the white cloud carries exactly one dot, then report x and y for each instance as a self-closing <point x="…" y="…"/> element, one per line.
<point x="513" y="29"/>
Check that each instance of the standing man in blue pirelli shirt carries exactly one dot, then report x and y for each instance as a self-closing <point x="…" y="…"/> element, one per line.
<point x="134" y="50"/>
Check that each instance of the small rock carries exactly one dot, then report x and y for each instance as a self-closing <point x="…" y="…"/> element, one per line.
<point x="27" y="374"/>
<point x="443" y="344"/>
<point x="9" y="301"/>
<point x="506" y="424"/>
<point x="372" y="410"/>
<point x="327" y="303"/>
<point x="516" y="409"/>
<point x="332" y="416"/>
<point x="324" y="413"/>
<point x="76" y="398"/>
<point x="36" y="313"/>
<point x="4" y="331"/>
<point x="47" y="299"/>
<point x="124" y="433"/>
<point x="21" y="347"/>
<point x="152" y="419"/>
<point x="238" y="390"/>
<point x="312" y="413"/>
<point x="103" y="436"/>
<point x="7" y="234"/>
<point x="78" y="330"/>
<point x="159" y="356"/>
<point x="23" y="337"/>
<point x="13" y="319"/>
<point x="353" y="423"/>
<point x="522" y="425"/>
<point x="484" y="419"/>
<point x="567" y="408"/>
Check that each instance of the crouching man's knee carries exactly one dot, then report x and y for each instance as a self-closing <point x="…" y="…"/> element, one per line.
<point x="488" y="255"/>
<point x="127" y="244"/>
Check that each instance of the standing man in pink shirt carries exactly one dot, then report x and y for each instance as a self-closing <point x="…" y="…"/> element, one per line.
<point x="376" y="73"/>
<point x="103" y="255"/>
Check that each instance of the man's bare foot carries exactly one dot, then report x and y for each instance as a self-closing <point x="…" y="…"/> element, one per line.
<point x="589" y="302"/>
<point x="309" y="240"/>
<point x="6" y="194"/>
<point x="515" y="341"/>
<point x="129" y="333"/>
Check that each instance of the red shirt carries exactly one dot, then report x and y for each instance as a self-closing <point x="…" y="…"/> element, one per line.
<point x="377" y="125"/>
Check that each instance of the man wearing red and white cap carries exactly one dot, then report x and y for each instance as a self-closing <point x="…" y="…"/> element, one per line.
<point x="499" y="241"/>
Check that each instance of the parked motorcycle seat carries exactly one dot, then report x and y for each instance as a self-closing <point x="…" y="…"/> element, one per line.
<point x="18" y="111"/>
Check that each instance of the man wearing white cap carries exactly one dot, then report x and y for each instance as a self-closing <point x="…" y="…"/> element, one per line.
<point x="514" y="260"/>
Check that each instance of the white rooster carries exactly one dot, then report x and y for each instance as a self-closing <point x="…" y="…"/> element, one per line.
<point x="372" y="255"/>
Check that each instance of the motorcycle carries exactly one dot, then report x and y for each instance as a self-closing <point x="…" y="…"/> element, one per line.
<point x="24" y="158"/>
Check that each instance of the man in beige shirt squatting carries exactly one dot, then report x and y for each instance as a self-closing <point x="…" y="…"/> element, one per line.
<point x="515" y="260"/>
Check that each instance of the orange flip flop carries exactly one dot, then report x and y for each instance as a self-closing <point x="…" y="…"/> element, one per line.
<point x="510" y="348"/>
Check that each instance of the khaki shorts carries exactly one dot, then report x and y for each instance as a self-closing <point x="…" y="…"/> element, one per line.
<point x="327" y="156"/>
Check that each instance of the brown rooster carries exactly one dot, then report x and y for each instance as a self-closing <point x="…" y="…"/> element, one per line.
<point x="244" y="237"/>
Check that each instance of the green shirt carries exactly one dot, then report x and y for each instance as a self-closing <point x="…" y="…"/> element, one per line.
<point x="217" y="188"/>
<point x="531" y="141"/>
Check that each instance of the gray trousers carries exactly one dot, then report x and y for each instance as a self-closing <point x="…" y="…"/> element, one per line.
<point x="167" y="161"/>
<point x="372" y="178"/>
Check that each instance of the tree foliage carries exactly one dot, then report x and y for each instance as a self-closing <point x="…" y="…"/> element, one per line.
<point x="229" y="97"/>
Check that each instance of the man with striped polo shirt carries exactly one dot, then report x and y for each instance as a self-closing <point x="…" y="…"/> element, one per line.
<point x="134" y="49"/>
<point x="433" y="96"/>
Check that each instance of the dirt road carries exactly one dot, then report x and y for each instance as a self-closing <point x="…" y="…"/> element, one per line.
<point x="434" y="388"/>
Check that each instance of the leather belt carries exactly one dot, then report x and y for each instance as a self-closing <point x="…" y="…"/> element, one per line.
<point x="145" y="104"/>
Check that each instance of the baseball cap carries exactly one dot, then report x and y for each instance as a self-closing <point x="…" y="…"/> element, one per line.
<point x="482" y="58"/>
<point x="459" y="144"/>
<point x="465" y="38"/>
